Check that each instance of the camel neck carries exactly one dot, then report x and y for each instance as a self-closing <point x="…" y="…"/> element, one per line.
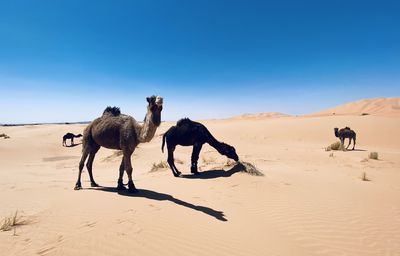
<point x="147" y="130"/>
<point x="213" y="142"/>
<point x="336" y="133"/>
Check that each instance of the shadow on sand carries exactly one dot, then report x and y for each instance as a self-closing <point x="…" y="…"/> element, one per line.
<point x="363" y="150"/>
<point x="73" y="145"/>
<point x="212" y="174"/>
<point x="153" y="195"/>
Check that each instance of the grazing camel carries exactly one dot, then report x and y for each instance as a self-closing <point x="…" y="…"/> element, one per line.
<point x="346" y="133"/>
<point x="189" y="133"/>
<point x="70" y="136"/>
<point x="117" y="131"/>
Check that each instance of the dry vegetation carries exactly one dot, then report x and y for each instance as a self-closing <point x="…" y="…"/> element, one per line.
<point x="208" y="160"/>
<point x="334" y="146"/>
<point x="12" y="222"/>
<point x="157" y="166"/>
<point x="163" y="165"/>
<point x="373" y="155"/>
<point x="5" y="136"/>
<point x="364" y="177"/>
<point x="244" y="167"/>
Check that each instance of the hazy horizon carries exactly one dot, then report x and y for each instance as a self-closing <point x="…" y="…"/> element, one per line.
<point x="65" y="61"/>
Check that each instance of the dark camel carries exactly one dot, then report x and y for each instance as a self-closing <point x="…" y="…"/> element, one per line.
<point x="122" y="132"/>
<point x="346" y="133"/>
<point x="189" y="133"/>
<point x="70" y="136"/>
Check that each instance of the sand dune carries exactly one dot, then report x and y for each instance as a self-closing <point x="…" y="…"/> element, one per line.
<point x="309" y="201"/>
<point x="378" y="106"/>
<point x="260" y="115"/>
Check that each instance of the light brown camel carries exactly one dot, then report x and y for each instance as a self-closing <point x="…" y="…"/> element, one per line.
<point x="117" y="131"/>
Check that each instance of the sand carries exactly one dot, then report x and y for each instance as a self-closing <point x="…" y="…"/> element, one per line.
<point x="309" y="201"/>
<point x="376" y="106"/>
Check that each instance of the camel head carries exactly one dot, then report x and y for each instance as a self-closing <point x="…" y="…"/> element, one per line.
<point x="229" y="151"/>
<point x="336" y="132"/>
<point x="79" y="135"/>
<point x="154" y="108"/>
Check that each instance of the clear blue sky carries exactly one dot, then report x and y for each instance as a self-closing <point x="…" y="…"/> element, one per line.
<point x="68" y="60"/>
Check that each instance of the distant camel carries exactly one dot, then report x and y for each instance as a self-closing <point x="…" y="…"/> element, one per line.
<point x="346" y="133"/>
<point x="70" y="136"/>
<point x="117" y="131"/>
<point x="189" y="133"/>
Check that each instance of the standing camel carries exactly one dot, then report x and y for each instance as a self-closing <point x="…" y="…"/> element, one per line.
<point x="70" y="136"/>
<point x="346" y="133"/>
<point x="189" y="133"/>
<point x="117" y="131"/>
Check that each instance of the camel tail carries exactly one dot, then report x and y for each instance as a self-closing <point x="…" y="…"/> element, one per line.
<point x="163" y="142"/>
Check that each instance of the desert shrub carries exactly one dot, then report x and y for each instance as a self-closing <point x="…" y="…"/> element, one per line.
<point x="373" y="155"/>
<point x="157" y="166"/>
<point x="5" y="136"/>
<point x="334" y="146"/>
<point x="12" y="222"/>
<point x="364" y="177"/>
<point x="247" y="168"/>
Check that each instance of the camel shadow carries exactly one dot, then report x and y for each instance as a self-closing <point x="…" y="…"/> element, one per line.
<point x="362" y="150"/>
<point x="212" y="174"/>
<point x="153" y="195"/>
<point x="73" y="145"/>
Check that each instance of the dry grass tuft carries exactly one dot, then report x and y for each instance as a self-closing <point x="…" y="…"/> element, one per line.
<point x="157" y="166"/>
<point x="5" y="136"/>
<point x="247" y="168"/>
<point x="230" y="163"/>
<point x="163" y="165"/>
<point x="334" y="146"/>
<point x="373" y="155"/>
<point x="12" y="222"/>
<point x="364" y="177"/>
<point x="208" y="160"/>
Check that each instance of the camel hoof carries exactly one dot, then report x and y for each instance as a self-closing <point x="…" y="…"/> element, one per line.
<point x="177" y="174"/>
<point x="94" y="185"/>
<point x="131" y="187"/>
<point x="121" y="187"/>
<point x="194" y="170"/>
<point x="78" y="187"/>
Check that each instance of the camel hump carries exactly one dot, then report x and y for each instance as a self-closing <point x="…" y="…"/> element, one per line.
<point x="184" y="121"/>
<point x="347" y="128"/>
<point x="115" y="111"/>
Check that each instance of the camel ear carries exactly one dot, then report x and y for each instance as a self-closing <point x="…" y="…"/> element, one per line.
<point x="151" y="99"/>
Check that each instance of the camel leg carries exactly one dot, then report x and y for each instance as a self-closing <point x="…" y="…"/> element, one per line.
<point x="349" y="143"/>
<point x="342" y="143"/>
<point x="121" y="174"/>
<point x="354" y="143"/>
<point x="171" y="162"/>
<point x="72" y="141"/>
<point x="81" y="165"/>
<point x="195" y="158"/>
<point x="89" y="166"/>
<point x="128" y="167"/>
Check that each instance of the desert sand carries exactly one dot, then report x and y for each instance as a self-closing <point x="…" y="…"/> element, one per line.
<point x="309" y="201"/>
